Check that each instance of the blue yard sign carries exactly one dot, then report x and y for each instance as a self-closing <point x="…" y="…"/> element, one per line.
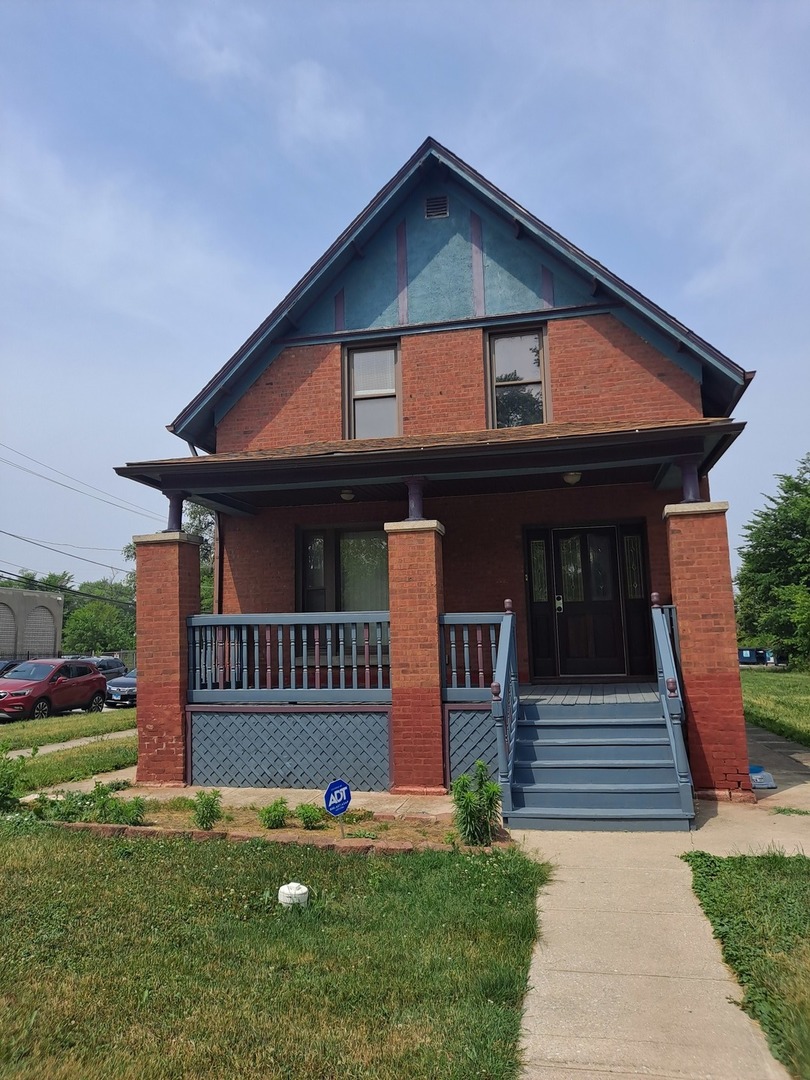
<point x="337" y="797"/>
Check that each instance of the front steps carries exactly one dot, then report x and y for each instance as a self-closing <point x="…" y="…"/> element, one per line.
<point x="596" y="767"/>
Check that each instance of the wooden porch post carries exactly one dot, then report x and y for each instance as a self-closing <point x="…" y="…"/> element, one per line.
<point x="703" y="596"/>
<point x="416" y="598"/>
<point x="168" y="577"/>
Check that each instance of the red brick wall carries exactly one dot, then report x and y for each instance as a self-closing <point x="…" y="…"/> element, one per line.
<point x="701" y="589"/>
<point x="599" y="371"/>
<point x="168" y="576"/>
<point x="416" y="584"/>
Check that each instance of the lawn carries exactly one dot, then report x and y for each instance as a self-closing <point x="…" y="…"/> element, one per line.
<point x="78" y="763"/>
<point x="25" y="733"/>
<point x="155" y="960"/>
<point x="759" y="906"/>
<point x="778" y="701"/>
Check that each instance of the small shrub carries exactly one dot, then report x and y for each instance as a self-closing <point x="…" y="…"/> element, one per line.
<point x="476" y="801"/>
<point x="274" y="816"/>
<point x="310" y="815"/>
<point x="207" y="809"/>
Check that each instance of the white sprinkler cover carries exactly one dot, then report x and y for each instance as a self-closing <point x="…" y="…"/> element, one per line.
<point x="293" y="893"/>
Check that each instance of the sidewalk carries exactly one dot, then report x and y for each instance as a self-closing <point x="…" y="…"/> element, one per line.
<point x="627" y="979"/>
<point x="50" y="748"/>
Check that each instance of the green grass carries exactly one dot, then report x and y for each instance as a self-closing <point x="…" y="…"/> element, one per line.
<point x="156" y="960"/>
<point x="24" y="733"/>
<point x="759" y="906"/>
<point x="791" y="810"/>
<point x="78" y="763"/>
<point x="778" y="701"/>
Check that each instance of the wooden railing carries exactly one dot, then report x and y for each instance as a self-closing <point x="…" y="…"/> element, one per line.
<point x="335" y="656"/>
<point x="469" y="643"/>
<point x="506" y="704"/>
<point x="669" y="688"/>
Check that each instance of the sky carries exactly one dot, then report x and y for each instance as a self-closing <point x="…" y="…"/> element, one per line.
<point x="169" y="169"/>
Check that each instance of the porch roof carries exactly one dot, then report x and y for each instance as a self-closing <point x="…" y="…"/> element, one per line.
<point x="461" y="463"/>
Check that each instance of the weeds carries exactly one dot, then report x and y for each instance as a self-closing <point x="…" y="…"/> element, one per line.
<point x="207" y="809"/>
<point x="97" y="805"/>
<point x="310" y="815"/>
<point x="477" y="801"/>
<point x="274" y="816"/>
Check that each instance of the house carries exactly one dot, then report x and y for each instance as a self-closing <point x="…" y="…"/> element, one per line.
<point x="461" y="483"/>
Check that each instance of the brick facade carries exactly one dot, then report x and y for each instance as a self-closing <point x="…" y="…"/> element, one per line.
<point x="415" y="579"/>
<point x="702" y="593"/>
<point x="168" y="570"/>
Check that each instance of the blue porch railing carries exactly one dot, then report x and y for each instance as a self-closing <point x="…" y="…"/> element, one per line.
<point x="469" y="646"/>
<point x="669" y="688"/>
<point x="506" y="705"/>
<point x="334" y="656"/>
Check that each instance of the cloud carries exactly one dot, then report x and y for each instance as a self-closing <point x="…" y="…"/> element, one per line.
<point x="314" y="108"/>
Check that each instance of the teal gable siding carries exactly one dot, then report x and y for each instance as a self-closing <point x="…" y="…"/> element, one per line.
<point x="439" y="258"/>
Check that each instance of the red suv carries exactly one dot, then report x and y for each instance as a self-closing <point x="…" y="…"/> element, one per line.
<point x="37" y="688"/>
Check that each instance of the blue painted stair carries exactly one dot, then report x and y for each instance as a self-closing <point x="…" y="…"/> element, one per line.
<point x="596" y="767"/>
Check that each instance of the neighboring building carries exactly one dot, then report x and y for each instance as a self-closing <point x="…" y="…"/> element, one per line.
<point x="454" y="406"/>
<point x="30" y="624"/>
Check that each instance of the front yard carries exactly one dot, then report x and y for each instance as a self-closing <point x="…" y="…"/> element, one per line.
<point x="778" y="701"/>
<point x="150" y="960"/>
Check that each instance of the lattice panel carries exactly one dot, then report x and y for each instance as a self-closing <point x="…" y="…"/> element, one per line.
<point x="472" y="738"/>
<point x="282" y="749"/>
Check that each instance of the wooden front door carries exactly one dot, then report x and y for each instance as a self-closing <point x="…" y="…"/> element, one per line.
<point x="588" y="610"/>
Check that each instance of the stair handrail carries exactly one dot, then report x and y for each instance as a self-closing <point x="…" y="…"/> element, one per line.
<point x="506" y="704"/>
<point x="669" y="690"/>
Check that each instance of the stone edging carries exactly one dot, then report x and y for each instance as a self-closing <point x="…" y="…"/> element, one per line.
<point x="346" y="846"/>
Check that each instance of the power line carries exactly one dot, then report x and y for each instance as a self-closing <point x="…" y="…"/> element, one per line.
<point x="45" y="587"/>
<point x="81" y="558"/>
<point x="67" y="476"/>
<point x="118" y="505"/>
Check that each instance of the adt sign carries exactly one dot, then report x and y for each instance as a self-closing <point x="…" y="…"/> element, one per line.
<point x="337" y="797"/>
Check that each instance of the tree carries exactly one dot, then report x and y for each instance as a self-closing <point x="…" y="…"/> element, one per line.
<point x="773" y="601"/>
<point x="103" y="625"/>
<point x="199" y="521"/>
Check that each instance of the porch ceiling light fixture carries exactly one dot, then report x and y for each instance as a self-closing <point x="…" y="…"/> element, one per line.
<point x="347" y="495"/>
<point x="572" y="478"/>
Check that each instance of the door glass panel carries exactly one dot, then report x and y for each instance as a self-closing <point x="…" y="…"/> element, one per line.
<point x="633" y="568"/>
<point x="363" y="571"/>
<point x="601" y="566"/>
<point x="539" y="577"/>
<point x="571" y="568"/>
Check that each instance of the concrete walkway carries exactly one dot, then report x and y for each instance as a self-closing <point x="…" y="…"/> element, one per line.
<point x="51" y="748"/>
<point x="627" y="979"/>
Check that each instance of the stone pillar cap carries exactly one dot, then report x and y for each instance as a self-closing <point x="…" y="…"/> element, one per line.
<point x="674" y="509"/>
<point x="417" y="525"/>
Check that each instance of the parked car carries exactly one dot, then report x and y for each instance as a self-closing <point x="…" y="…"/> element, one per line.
<point x="123" y="691"/>
<point x="6" y="664"/>
<point x="109" y="666"/>
<point x="37" y="688"/>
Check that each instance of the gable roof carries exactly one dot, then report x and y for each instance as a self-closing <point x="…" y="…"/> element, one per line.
<point x="723" y="380"/>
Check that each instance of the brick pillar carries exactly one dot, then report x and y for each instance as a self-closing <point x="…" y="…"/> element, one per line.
<point x="702" y="593"/>
<point x="416" y="597"/>
<point x="168" y="584"/>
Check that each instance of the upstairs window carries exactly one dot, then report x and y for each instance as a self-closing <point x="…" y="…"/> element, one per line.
<point x="518" y="379"/>
<point x="371" y="383"/>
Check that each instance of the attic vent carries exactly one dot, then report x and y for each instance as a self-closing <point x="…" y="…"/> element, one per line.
<point x="437" y="206"/>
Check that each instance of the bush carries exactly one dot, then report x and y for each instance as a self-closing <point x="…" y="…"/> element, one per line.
<point x="207" y="809"/>
<point x="96" y="805"/>
<point x="310" y="815"/>
<point x="477" y="802"/>
<point x="274" y="816"/>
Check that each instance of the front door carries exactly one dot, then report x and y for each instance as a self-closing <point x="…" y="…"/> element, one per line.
<point x="585" y="585"/>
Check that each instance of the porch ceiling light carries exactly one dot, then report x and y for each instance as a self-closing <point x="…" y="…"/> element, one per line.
<point x="347" y="495"/>
<point x="572" y="478"/>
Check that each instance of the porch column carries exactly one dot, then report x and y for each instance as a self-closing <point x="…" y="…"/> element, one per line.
<point x="702" y="593"/>
<point x="416" y="597"/>
<point x="168" y="577"/>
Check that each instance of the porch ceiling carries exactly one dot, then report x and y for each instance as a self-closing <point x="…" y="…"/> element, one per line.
<point x="466" y="463"/>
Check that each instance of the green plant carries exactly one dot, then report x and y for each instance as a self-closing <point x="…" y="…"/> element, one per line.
<point x="310" y="815"/>
<point x="96" y="805"/>
<point x="274" y="816"/>
<point x="354" y="817"/>
<point x="207" y="809"/>
<point x="364" y="834"/>
<point x="790" y="810"/>
<point x="476" y="802"/>
<point x="10" y="770"/>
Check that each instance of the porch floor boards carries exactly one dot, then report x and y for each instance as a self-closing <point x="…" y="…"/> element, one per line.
<point x="590" y="694"/>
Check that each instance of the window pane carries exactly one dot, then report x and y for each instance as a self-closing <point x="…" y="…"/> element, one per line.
<point x="518" y="405"/>
<point x="373" y="371"/>
<point x="573" y="589"/>
<point x="375" y="418"/>
<point x="633" y="568"/>
<point x="601" y="566"/>
<point x="539" y="577"/>
<point x="313" y="561"/>
<point x="516" y="359"/>
<point x="363" y="571"/>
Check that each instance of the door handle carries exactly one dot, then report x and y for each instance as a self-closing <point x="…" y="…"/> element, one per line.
<point x="558" y="604"/>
